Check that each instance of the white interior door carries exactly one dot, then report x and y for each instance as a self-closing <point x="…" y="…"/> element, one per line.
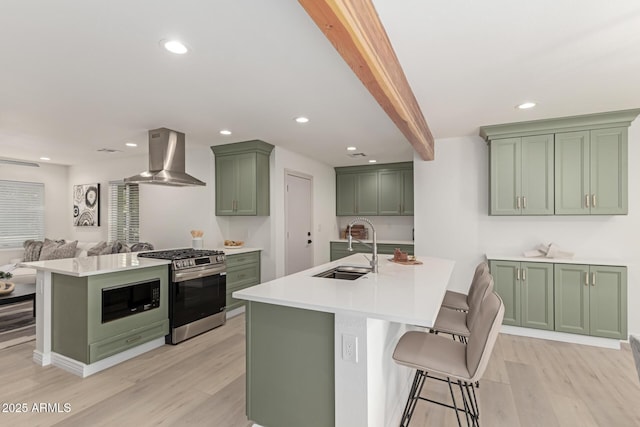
<point x="298" y="223"/>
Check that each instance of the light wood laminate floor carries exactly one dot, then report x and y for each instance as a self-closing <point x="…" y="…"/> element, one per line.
<point x="201" y="382"/>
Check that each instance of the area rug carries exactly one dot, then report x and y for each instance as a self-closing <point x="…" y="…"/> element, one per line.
<point x="17" y="324"/>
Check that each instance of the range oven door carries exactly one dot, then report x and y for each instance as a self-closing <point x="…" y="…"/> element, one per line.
<point x="196" y="295"/>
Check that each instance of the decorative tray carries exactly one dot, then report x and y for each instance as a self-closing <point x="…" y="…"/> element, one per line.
<point x="233" y="247"/>
<point x="6" y="288"/>
<point x="408" y="262"/>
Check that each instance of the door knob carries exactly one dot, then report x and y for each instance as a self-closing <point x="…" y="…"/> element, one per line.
<point x="308" y="241"/>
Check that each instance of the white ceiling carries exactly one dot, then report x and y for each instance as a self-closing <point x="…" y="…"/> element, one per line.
<point x="77" y="76"/>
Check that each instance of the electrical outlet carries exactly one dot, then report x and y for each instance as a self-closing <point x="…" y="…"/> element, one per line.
<point x="350" y="348"/>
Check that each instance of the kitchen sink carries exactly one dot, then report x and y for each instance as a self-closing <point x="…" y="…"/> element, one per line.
<point x="344" y="272"/>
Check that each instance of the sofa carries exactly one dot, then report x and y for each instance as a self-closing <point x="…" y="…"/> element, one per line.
<point x="48" y="249"/>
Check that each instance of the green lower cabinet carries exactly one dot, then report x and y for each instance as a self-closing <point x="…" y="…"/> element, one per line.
<point x="526" y="288"/>
<point x="290" y="366"/>
<point x="591" y="300"/>
<point x="76" y="315"/>
<point x="243" y="271"/>
<point x="339" y="249"/>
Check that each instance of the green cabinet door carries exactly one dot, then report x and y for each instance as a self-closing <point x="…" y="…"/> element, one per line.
<point x="522" y="176"/>
<point x="526" y="288"/>
<point x="608" y="180"/>
<point x="536" y="300"/>
<point x="242" y="178"/>
<point x="385" y="189"/>
<point x="246" y="176"/>
<point x="346" y="194"/>
<point x="226" y="188"/>
<point x="572" y="192"/>
<point x="367" y="193"/>
<point x="608" y="301"/>
<point x="572" y="298"/>
<point x="537" y="175"/>
<point x="390" y="192"/>
<point x="504" y="176"/>
<point x="407" y="192"/>
<point x="506" y="283"/>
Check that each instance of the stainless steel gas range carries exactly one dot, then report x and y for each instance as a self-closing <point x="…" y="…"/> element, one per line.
<point x="197" y="291"/>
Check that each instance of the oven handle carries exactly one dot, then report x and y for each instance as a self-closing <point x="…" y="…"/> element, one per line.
<point x="183" y="276"/>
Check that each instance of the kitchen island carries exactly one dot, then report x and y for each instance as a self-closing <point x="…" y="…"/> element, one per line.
<point x="319" y="349"/>
<point x="70" y="330"/>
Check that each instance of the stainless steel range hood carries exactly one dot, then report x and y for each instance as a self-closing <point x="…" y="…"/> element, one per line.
<point x="166" y="161"/>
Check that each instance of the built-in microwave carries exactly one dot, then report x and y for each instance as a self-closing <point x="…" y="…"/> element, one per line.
<point x="128" y="299"/>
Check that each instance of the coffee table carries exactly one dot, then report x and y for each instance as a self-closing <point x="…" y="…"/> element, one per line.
<point x="22" y="292"/>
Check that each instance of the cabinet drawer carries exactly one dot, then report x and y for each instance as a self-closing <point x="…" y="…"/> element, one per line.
<point x="243" y="276"/>
<point x="119" y="343"/>
<point x="241" y="259"/>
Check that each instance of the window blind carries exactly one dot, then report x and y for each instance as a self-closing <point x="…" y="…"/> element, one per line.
<point x="124" y="214"/>
<point x="21" y="212"/>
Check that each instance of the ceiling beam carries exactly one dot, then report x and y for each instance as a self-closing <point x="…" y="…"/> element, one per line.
<point x="354" y="29"/>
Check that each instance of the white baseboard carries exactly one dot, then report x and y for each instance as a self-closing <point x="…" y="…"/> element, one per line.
<point x="83" y="370"/>
<point x="561" y="336"/>
<point x="41" y="359"/>
<point x="235" y="312"/>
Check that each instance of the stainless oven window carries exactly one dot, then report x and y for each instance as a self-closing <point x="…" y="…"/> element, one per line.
<point x="197" y="298"/>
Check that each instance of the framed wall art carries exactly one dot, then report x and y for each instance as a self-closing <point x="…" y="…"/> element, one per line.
<point x="86" y="205"/>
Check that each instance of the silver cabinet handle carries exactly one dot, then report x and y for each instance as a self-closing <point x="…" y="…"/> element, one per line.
<point x="593" y="200"/>
<point x="518" y="202"/>
<point x="517" y="274"/>
<point x="586" y="279"/>
<point x="593" y="278"/>
<point x="586" y="200"/>
<point x="524" y="274"/>
<point x="524" y="202"/>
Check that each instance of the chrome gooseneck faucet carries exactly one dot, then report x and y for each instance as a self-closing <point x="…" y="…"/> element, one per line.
<point x="374" y="248"/>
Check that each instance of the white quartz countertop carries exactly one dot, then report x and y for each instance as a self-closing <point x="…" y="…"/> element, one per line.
<point x="410" y="294"/>
<point x="575" y="260"/>
<point x="94" y="265"/>
<point x="390" y="242"/>
<point x="237" y="251"/>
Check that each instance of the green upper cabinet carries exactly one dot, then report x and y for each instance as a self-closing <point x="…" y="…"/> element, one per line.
<point x="521" y="178"/>
<point x="242" y="178"/>
<point x="567" y="166"/>
<point x="385" y="189"/>
<point x="591" y="300"/>
<point x="591" y="172"/>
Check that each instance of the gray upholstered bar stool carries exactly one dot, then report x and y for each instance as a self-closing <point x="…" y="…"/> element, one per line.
<point x="453" y="362"/>
<point x="459" y="323"/>
<point x="459" y="301"/>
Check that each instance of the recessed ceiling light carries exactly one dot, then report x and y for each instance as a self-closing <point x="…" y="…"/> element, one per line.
<point x="302" y="119"/>
<point x="45" y="158"/>
<point x="526" y="105"/>
<point x="225" y="132"/>
<point x="372" y="161"/>
<point x="131" y="144"/>
<point x="351" y="148"/>
<point x="174" y="46"/>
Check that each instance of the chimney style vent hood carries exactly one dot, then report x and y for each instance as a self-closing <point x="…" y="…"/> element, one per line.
<point x="166" y="161"/>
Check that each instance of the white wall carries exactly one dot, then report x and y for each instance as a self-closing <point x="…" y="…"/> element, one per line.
<point x="324" y="204"/>
<point x="451" y="217"/>
<point x="58" y="213"/>
<point x="167" y="214"/>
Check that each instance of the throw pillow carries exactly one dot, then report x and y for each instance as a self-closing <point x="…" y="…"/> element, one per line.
<point x="142" y="246"/>
<point x="32" y="250"/>
<point x="97" y="249"/>
<point x="57" y="249"/>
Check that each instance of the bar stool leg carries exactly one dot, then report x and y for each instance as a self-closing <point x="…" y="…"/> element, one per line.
<point x="412" y="400"/>
<point x="455" y="406"/>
